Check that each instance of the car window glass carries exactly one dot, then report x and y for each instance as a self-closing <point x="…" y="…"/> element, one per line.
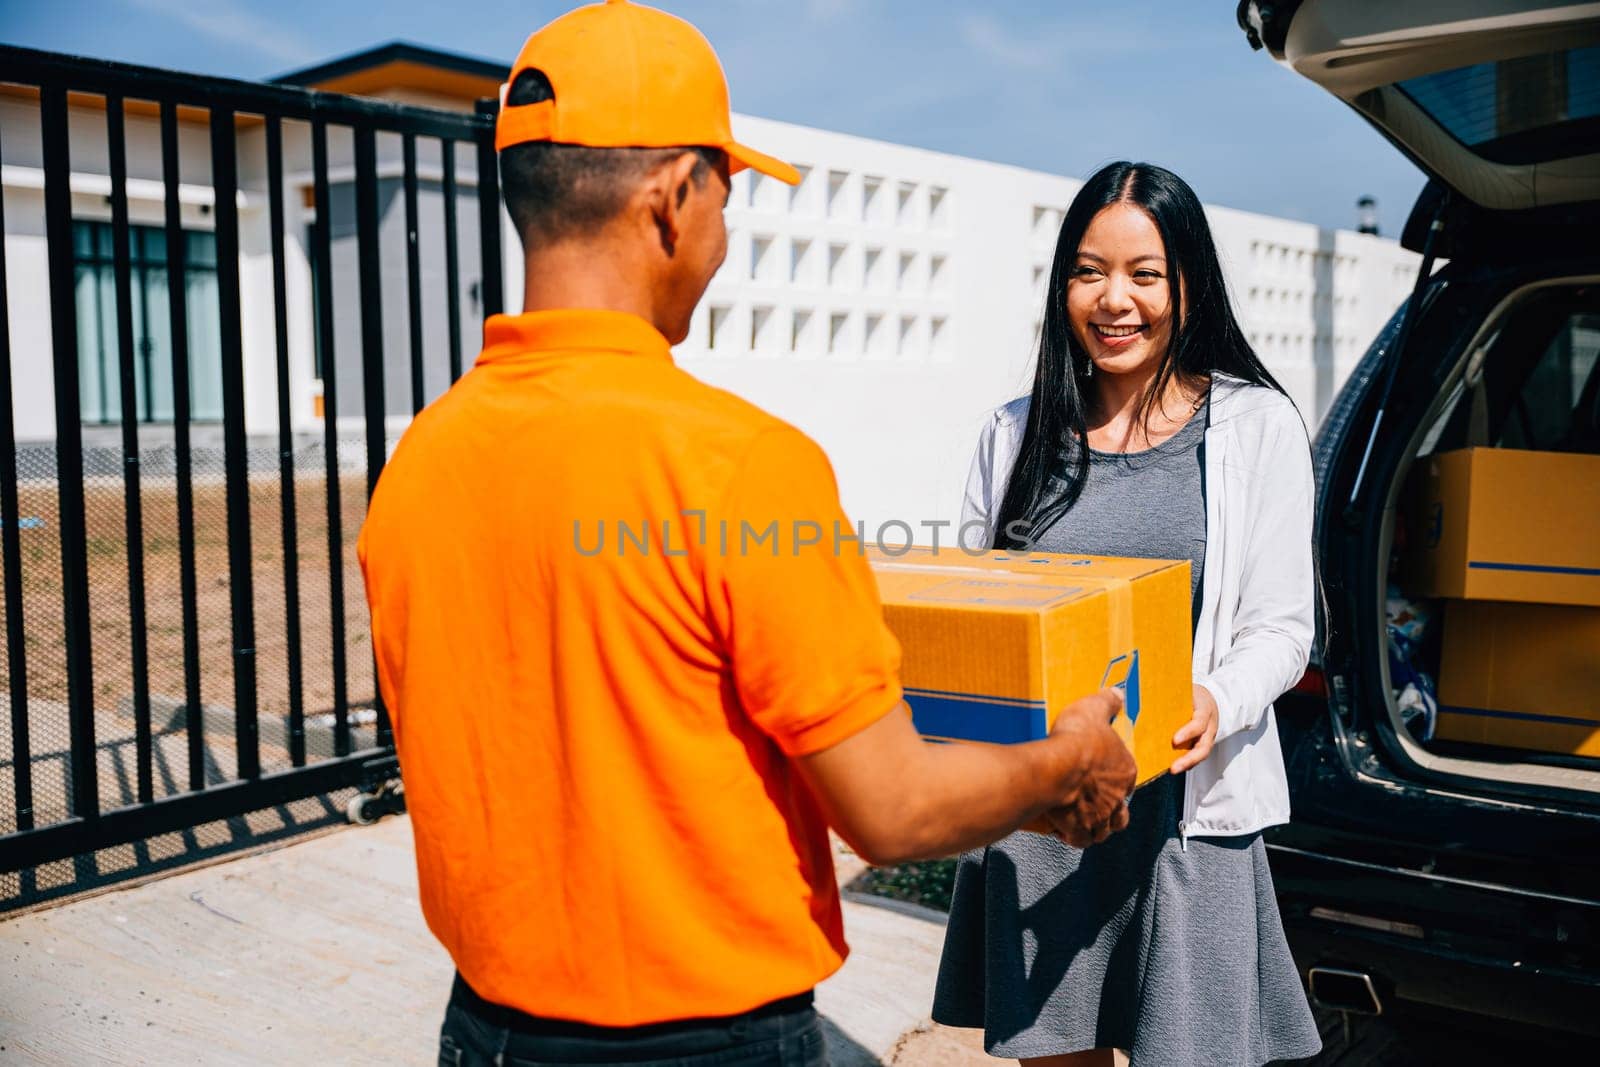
<point x="1443" y="421"/>
<point x="1555" y="409"/>
<point x="1522" y="110"/>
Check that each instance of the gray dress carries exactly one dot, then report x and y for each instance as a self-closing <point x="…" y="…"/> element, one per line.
<point x="1175" y="954"/>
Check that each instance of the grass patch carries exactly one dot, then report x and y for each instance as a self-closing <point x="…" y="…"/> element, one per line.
<point x="929" y="884"/>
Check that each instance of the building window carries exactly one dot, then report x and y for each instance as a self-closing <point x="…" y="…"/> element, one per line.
<point x="875" y="273"/>
<point x="875" y="201"/>
<point x="716" y="325"/>
<point x="907" y="343"/>
<point x="768" y="194"/>
<point x="761" y="328"/>
<point x="838" y="205"/>
<point x="762" y="259"/>
<point x="800" y="261"/>
<point x="802" y="197"/>
<point x="1046" y="222"/>
<point x="938" y="208"/>
<point x="838" y="322"/>
<point x="319" y="358"/>
<point x="99" y="372"/>
<point x="906" y="205"/>
<point x="800" y="332"/>
<point x="836" y="277"/>
<point x="879" y="342"/>
<point x="906" y="277"/>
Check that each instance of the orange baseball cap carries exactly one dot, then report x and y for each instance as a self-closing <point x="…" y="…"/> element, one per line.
<point x="628" y="76"/>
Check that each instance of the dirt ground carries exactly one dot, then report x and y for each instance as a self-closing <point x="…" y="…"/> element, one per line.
<point x="941" y="1046"/>
<point x="107" y="543"/>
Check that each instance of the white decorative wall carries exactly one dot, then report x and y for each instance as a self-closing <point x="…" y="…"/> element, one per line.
<point x="884" y="306"/>
<point x="891" y="300"/>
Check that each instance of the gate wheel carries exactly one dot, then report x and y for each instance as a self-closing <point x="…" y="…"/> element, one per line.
<point x="360" y="809"/>
<point x="365" y="809"/>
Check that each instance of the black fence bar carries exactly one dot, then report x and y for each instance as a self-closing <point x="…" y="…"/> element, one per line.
<point x="371" y="287"/>
<point x="367" y="254"/>
<point x="133" y="514"/>
<point x="286" y="474"/>
<point x="322" y="242"/>
<point x="218" y="103"/>
<point x="31" y="67"/>
<point x="170" y="814"/>
<point x="121" y="255"/>
<point x="69" y="450"/>
<point x="225" y="183"/>
<point x="413" y="271"/>
<point x="11" y="548"/>
<point x="489" y="215"/>
<point x="178" y="311"/>
<point x="452" y="258"/>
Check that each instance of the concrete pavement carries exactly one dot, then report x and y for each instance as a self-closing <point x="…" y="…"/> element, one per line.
<point x="317" y="952"/>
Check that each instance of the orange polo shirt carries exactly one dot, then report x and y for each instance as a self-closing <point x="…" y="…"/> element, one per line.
<point x="609" y="606"/>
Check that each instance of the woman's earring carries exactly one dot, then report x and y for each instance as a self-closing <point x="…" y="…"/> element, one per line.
<point x="1088" y="368"/>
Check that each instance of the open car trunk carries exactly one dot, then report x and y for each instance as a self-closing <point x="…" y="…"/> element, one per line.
<point x="1497" y="99"/>
<point x="1499" y="102"/>
<point x="1486" y="688"/>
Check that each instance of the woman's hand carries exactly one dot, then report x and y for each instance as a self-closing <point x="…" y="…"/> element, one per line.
<point x="1198" y="733"/>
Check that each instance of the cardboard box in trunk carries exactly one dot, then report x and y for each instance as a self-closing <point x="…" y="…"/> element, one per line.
<point x="1522" y="676"/>
<point x="995" y="645"/>
<point x="1500" y="524"/>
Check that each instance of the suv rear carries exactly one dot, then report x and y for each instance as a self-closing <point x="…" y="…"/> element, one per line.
<point x="1424" y="876"/>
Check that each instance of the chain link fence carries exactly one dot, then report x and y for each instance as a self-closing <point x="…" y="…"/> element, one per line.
<point x="111" y="638"/>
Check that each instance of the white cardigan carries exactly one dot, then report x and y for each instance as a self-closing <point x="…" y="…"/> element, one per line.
<point x="1257" y="596"/>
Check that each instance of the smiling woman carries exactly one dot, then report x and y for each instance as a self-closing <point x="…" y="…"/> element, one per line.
<point x="1118" y="301"/>
<point x="1134" y="245"/>
<point x="1152" y="431"/>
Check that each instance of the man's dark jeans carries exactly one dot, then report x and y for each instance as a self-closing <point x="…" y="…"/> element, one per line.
<point x="787" y="1033"/>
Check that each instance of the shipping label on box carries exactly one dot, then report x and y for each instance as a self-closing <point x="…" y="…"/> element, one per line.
<point x="994" y="645"/>
<point x="1502" y="524"/>
<point x="1522" y="676"/>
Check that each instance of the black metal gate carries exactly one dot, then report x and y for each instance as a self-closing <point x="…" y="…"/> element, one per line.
<point x="155" y="703"/>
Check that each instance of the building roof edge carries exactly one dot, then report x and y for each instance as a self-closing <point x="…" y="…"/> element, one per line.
<point x="394" y="51"/>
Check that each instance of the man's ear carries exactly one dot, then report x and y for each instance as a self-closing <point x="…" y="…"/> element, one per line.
<point x="667" y="190"/>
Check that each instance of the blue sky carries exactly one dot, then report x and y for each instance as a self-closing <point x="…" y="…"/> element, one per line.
<point x="1061" y="86"/>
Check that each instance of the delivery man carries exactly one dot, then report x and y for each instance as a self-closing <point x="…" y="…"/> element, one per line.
<point x="634" y="656"/>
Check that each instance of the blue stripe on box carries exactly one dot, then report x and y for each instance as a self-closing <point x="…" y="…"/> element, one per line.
<point x="1486" y="713"/>
<point x="962" y="717"/>
<point x="1534" y="568"/>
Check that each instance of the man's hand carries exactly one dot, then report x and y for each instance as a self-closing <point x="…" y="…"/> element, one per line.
<point x="896" y="798"/>
<point x="1097" y="805"/>
<point x="1199" y="733"/>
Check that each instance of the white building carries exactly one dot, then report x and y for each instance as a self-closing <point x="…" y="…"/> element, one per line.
<point x="884" y="306"/>
<point x="893" y="298"/>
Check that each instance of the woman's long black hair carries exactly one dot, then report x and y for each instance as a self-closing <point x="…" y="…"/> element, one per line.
<point x="1053" y="460"/>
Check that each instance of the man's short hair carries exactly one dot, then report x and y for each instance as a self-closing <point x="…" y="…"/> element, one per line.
<point x="555" y="191"/>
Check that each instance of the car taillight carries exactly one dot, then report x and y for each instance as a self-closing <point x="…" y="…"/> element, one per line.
<point x="1312" y="683"/>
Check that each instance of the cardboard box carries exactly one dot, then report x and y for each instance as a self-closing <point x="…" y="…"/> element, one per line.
<point x="1499" y="524"/>
<point x="995" y="645"/>
<point x="1521" y="675"/>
